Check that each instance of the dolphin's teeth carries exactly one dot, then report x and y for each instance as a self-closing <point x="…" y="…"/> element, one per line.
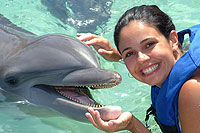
<point x="74" y="100"/>
<point x="94" y="105"/>
<point x="59" y="90"/>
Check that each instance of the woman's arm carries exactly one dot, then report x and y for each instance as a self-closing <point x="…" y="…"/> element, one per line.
<point x="189" y="105"/>
<point x="101" y="45"/>
<point x="125" y="122"/>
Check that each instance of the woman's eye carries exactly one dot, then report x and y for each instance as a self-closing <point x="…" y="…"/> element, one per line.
<point x="129" y="54"/>
<point x="150" y="44"/>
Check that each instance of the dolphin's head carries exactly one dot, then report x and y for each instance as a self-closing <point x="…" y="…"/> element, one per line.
<point x="56" y="71"/>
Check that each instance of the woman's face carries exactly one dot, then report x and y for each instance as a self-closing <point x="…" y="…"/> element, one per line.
<point x="148" y="55"/>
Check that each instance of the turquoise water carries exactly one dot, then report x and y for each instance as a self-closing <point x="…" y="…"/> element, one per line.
<point x="18" y="116"/>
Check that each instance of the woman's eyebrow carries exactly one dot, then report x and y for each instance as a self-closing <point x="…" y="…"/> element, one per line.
<point x="126" y="49"/>
<point x="146" y="39"/>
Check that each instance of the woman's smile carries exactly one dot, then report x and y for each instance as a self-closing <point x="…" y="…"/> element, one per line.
<point x="150" y="69"/>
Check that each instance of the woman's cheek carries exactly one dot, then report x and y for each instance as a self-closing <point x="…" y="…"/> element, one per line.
<point x="130" y="66"/>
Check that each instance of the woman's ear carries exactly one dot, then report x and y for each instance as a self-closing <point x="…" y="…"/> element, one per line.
<point x="173" y="39"/>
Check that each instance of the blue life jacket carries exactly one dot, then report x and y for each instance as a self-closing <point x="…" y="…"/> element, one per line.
<point x="165" y="99"/>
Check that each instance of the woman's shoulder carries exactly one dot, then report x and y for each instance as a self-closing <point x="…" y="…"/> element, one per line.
<point x="190" y="91"/>
<point x="192" y="85"/>
<point x="189" y="103"/>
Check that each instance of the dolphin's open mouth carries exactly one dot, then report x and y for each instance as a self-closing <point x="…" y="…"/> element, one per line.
<point x="79" y="95"/>
<point x="82" y="95"/>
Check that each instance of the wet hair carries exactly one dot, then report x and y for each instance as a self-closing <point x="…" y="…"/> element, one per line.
<point x="148" y="14"/>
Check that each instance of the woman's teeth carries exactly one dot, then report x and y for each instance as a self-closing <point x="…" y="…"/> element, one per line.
<point x="150" y="69"/>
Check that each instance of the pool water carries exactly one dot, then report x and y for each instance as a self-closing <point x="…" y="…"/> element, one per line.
<point x="18" y="116"/>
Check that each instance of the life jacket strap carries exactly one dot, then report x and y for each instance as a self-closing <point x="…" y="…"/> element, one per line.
<point x="150" y="111"/>
<point x="165" y="129"/>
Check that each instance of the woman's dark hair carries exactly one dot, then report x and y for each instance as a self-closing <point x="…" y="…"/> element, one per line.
<point x="149" y="14"/>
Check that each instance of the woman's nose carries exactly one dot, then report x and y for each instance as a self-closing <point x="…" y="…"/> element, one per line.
<point x="142" y="57"/>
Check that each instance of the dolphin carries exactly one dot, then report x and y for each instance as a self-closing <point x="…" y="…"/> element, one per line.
<point x="83" y="15"/>
<point x="54" y="70"/>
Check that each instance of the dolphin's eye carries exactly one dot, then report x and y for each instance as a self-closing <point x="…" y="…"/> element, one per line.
<point x="11" y="80"/>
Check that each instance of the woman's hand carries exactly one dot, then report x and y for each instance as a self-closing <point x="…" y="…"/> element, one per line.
<point x="101" y="45"/>
<point x="124" y="121"/>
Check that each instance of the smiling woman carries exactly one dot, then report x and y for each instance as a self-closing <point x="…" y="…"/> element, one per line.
<point x="147" y="41"/>
<point x="146" y="52"/>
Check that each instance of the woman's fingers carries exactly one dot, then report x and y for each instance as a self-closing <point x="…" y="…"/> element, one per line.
<point x="105" y="54"/>
<point x="94" y="118"/>
<point x="101" y="45"/>
<point x="90" y="118"/>
<point x="123" y="121"/>
<point x="99" y="121"/>
<point x="86" y="36"/>
<point x="109" y="126"/>
<point x="93" y="40"/>
<point x="95" y="115"/>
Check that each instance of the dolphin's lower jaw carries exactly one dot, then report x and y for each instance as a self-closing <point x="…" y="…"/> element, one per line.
<point x="77" y="112"/>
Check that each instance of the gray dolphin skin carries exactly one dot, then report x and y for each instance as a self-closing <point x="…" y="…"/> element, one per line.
<point x="83" y="15"/>
<point x="53" y="70"/>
